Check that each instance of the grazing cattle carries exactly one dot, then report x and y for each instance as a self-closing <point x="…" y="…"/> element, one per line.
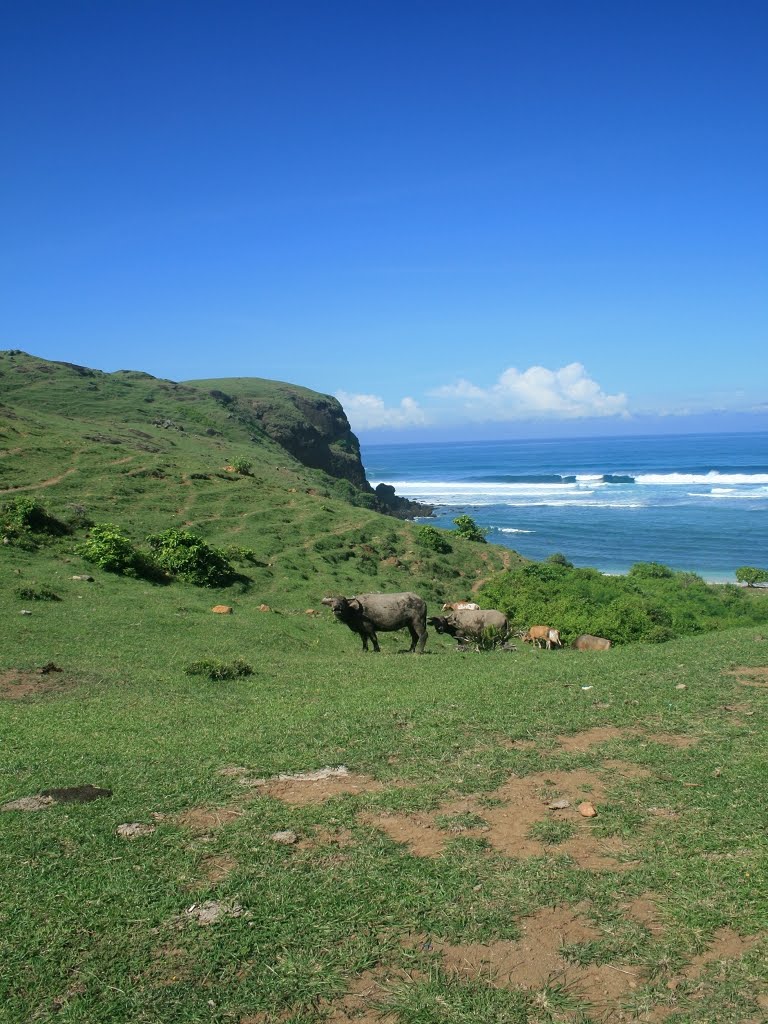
<point x="587" y="642"/>
<point x="537" y="635"/>
<point x="553" y="639"/>
<point x="461" y="606"/>
<point x="470" y="624"/>
<point x="366" y="613"/>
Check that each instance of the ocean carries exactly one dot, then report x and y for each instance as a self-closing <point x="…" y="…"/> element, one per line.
<point x="697" y="503"/>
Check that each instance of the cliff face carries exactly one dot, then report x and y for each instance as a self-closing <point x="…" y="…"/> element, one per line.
<point x="314" y="429"/>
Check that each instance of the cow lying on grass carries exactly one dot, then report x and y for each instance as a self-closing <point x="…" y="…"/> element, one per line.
<point x="587" y="642"/>
<point x="366" y="613"/>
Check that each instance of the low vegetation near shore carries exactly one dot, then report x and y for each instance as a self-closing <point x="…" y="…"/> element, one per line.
<point x="236" y="816"/>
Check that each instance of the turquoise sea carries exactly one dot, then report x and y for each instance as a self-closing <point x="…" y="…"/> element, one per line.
<point x="694" y="502"/>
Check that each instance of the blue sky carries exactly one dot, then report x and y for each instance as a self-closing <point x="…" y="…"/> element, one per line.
<point x="490" y="219"/>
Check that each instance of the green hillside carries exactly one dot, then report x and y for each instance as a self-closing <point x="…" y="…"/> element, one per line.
<point x="149" y="455"/>
<point x="242" y="819"/>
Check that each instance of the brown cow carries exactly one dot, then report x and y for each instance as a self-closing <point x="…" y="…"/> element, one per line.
<point x="587" y="642"/>
<point x="542" y="634"/>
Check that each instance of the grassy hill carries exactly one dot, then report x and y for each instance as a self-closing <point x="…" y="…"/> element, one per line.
<point x="339" y="837"/>
<point x="149" y="454"/>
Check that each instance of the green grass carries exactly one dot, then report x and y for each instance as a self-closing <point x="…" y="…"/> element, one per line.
<point x="94" y="928"/>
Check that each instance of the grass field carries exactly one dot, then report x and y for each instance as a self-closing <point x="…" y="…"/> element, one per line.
<point x="345" y="837"/>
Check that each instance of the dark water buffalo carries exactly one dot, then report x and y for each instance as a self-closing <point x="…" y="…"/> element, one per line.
<point x="366" y="613"/>
<point x="587" y="642"/>
<point x="464" y="624"/>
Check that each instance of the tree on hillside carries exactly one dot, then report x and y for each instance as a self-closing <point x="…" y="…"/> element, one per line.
<point x="467" y="528"/>
<point x="751" y="576"/>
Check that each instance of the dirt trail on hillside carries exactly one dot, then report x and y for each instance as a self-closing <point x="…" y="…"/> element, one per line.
<point x="43" y="483"/>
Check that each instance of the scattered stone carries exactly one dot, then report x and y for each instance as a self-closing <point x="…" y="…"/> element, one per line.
<point x="559" y="805"/>
<point x="586" y="687"/>
<point x="29" y="803"/>
<point x="134" y="830"/>
<point x="25" y="611"/>
<point x="287" y="837"/>
<point x="211" y="911"/>
<point x="681" y="686"/>
<point x="222" y="609"/>
<point x="76" y="794"/>
<point x="587" y="810"/>
<point x="83" y="577"/>
<point x="264" y="608"/>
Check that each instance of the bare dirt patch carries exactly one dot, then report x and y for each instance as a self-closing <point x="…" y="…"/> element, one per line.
<point x="645" y="910"/>
<point x="339" y="839"/>
<point x="583" y="741"/>
<point x="16" y="685"/>
<point x="359" y="1004"/>
<point x="315" y="787"/>
<point x="201" y="819"/>
<point x="212" y="911"/>
<point x="29" y="803"/>
<point x="532" y="961"/>
<point x="518" y="804"/>
<point x="216" y="867"/>
<point x="726" y="945"/>
<point x="755" y="676"/>
<point x="668" y="739"/>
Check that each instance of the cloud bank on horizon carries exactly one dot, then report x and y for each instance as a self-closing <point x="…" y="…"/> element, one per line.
<point x="537" y="393"/>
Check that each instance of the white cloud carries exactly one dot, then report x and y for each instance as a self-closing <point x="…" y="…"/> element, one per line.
<point x="536" y="393"/>
<point x="366" y="412"/>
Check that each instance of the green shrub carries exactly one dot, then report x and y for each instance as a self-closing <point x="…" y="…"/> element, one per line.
<point x="22" y="517"/>
<point x="238" y="554"/>
<point x="242" y="466"/>
<point x="467" y="528"/>
<point x="751" y="576"/>
<point x="109" y="549"/>
<point x="433" y="539"/>
<point x="219" y="669"/>
<point x="650" y="605"/>
<point x="187" y="557"/>
<point x="650" y="571"/>
<point x="557" y="558"/>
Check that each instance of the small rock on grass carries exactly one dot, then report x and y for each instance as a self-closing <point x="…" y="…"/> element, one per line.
<point x="559" y="805"/>
<point x="681" y="686"/>
<point x="134" y="829"/>
<point x="210" y="911"/>
<point x="29" y="803"/>
<point x="587" y="810"/>
<point x="287" y="837"/>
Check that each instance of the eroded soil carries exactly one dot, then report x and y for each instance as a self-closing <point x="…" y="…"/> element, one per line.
<point x="516" y="806"/>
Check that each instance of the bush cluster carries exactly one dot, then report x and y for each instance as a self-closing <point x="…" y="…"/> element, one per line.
<point x="23" y="520"/>
<point x="432" y="539"/>
<point x="212" y="669"/>
<point x="186" y="556"/>
<point x="651" y="604"/>
<point x="109" y="549"/>
<point x="467" y="528"/>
